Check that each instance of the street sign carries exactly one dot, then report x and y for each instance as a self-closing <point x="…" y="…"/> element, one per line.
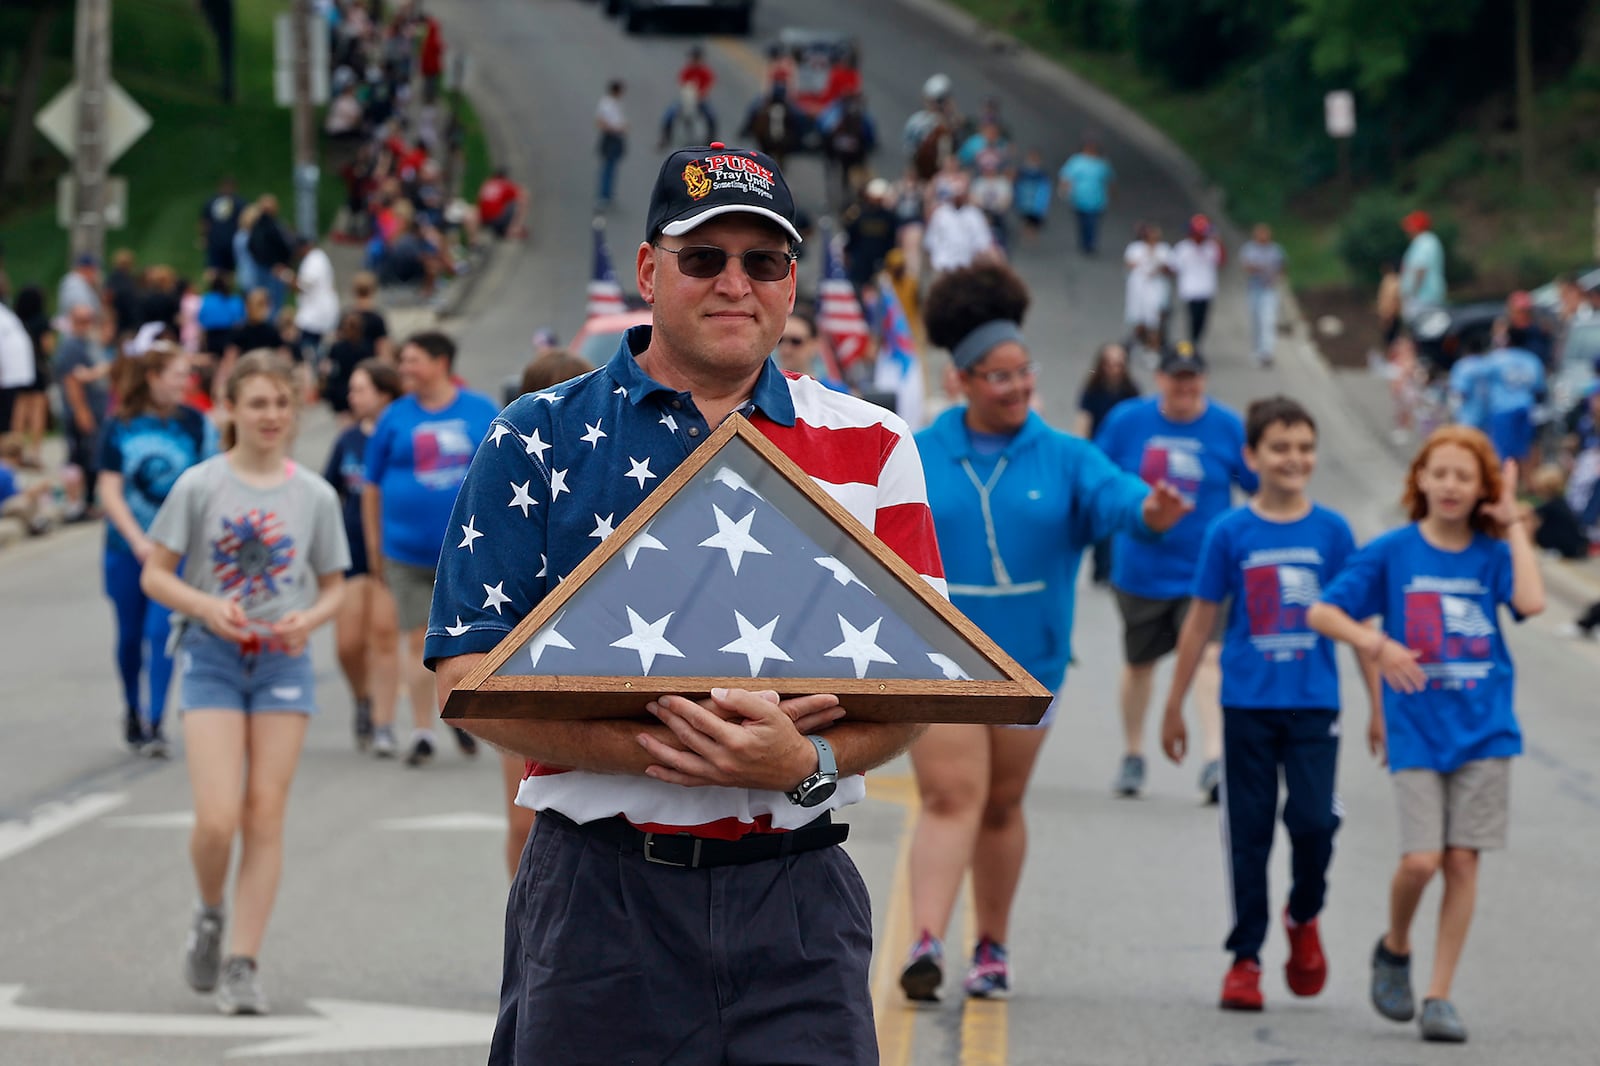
<point x="1339" y="113"/>
<point x="126" y="121"/>
<point x="283" y="60"/>
<point x="114" y="210"/>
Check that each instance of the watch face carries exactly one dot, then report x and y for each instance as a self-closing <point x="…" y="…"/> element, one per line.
<point x="819" y="793"/>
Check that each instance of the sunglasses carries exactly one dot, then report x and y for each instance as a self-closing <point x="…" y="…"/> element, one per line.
<point x="706" y="261"/>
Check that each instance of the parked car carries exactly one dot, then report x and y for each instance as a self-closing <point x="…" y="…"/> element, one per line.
<point x="736" y="15"/>
<point x="1442" y="334"/>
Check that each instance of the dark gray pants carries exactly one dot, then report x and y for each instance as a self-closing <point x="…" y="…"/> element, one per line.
<point x="610" y="959"/>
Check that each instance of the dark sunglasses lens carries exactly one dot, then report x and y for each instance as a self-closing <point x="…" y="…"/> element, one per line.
<point x="766" y="266"/>
<point x="702" y="262"/>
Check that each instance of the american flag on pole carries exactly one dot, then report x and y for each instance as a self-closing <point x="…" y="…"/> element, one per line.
<point x="605" y="293"/>
<point x="839" y="316"/>
<point x="899" y="368"/>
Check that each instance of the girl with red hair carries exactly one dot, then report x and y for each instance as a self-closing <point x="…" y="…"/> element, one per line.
<point x="1448" y="728"/>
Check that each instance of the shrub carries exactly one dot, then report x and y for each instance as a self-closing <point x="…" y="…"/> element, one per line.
<point x="1370" y="236"/>
<point x="1100" y="25"/>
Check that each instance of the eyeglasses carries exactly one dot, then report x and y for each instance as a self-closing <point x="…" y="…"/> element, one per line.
<point x="1024" y="372"/>
<point x="707" y="261"/>
<point x="791" y="339"/>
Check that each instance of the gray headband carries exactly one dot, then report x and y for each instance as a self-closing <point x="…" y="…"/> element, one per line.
<point x="983" y="340"/>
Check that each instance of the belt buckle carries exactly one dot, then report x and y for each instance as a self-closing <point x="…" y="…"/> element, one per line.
<point x="694" y="857"/>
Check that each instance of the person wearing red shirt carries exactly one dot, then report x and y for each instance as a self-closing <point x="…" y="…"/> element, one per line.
<point x="696" y="72"/>
<point x="432" y="58"/>
<point x="502" y="204"/>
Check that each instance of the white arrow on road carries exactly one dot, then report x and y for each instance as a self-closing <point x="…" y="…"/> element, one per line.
<point x="337" y="1025"/>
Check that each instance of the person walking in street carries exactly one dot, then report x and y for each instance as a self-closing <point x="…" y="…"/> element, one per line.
<point x="81" y="285"/>
<point x="1148" y="261"/>
<point x="639" y="887"/>
<point x="1449" y="729"/>
<point x="366" y="631"/>
<point x="271" y="251"/>
<point x="1422" y="282"/>
<point x="152" y="439"/>
<point x="1108" y="384"/>
<point x="82" y="373"/>
<point x="219" y="221"/>
<point x="1192" y="442"/>
<point x="958" y="234"/>
<point x="1263" y="261"/>
<point x="1196" y="261"/>
<point x="266" y="554"/>
<point x="420" y="449"/>
<point x="316" y="313"/>
<point x="30" y="412"/>
<point x="612" y="123"/>
<point x="1085" y="181"/>
<point x="1012" y="569"/>
<point x="1267" y="561"/>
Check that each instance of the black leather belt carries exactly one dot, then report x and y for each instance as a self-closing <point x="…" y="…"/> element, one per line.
<point x="694" y="853"/>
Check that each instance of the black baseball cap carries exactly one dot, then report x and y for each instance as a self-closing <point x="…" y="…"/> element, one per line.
<point x="698" y="184"/>
<point x="1182" y="358"/>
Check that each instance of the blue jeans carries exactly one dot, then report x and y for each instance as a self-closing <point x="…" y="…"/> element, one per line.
<point x="608" y="177"/>
<point x="142" y="627"/>
<point x="1088" y="230"/>
<point x="1263" y="320"/>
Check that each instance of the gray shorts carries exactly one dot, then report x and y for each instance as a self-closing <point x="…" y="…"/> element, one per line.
<point x="1150" y="627"/>
<point x="1468" y="808"/>
<point x="413" y="592"/>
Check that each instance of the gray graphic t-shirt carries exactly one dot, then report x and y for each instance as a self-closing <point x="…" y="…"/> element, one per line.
<point x="262" y="548"/>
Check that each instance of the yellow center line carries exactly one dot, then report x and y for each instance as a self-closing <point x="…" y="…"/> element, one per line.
<point x="895" y="1019"/>
<point x="743" y="56"/>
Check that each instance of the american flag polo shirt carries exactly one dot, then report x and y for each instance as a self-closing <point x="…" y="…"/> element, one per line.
<point x="561" y="469"/>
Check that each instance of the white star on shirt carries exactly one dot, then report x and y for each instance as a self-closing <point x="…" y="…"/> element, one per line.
<point x="457" y="629"/>
<point x="497" y="596"/>
<point x="500" y="430"/>
<point x="602" y="526"/>
<point x="670" y="422"/>
<point x="639" y="543"/>
<point x="860" y="646"/>
<point x="470" y="534"/>
<point x="548" y="397"/>
<point x="841" y="573"/>
<point x="544" y="567"/>
<point x="734" y="538"/>
<point x="730" y="477"/>
<point x="521" y="498"/>
<point x="558" y="483"/>
<point x="639" y="469"/>
<point x="952" y="671"/>
<point x="548" y="638"/>
<point x="535" y="445"/>
<point x="620" y="390"/>
<point x="755" y="643"/>
<point x="648" y="639"/>
<point x="592" y="438"/>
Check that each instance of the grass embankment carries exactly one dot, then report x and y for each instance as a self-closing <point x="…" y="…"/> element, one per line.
<point x="1512" y="236"/>
<point x="163" y="54"/>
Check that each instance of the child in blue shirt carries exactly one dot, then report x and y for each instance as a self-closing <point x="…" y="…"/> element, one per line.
<point x="1448" y="722"/>
<point x="1269" y="561"/>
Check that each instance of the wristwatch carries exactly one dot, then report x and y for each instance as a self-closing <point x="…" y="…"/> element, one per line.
<point x="820" y="785"/>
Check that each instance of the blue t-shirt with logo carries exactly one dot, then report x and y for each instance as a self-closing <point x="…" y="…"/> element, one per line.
<point x="347" y="473"/>
<point x="417" y="459"/>
<point x="1091" y="178"/>
<point x="150" y="452"/>
<point x="1272" y="572"/>
<point x="1202" y="460"/>
<point x="1445" y="605"/>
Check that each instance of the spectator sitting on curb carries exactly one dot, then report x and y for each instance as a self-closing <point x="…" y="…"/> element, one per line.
<point x="1556" y="526"/>
<point x="503" y="206"/>
<point x="29" y="498"/>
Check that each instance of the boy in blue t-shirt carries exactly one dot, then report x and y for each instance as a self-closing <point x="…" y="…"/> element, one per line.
<point x="1449" y="729"/>
<point x="1269" y="561"/>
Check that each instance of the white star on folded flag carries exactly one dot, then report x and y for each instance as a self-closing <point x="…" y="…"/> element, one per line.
<point x="639" y="470"/>
<point x="648" y="639"/>
<point x="521" y="498"/>
<point x="500" y="430"/>
<point x="602" y="526"/>
<point x="860" y="646"/>
<point x="951" y="670"/>
<point x="497" y="596"/>
<point x="457" y="629"/>
<point x="535" y="445"/>
<point x="734" y="538"/>
<point x="470" y="534"/>
<point x="841" y="573"/>
<point x="755" y="643"/>
<point x="592" y="438"/>
<point x="547" y="638"/>
<point x="639" y="543"/>
<point x="731" y="478"/>
<point x="558" y="483"/>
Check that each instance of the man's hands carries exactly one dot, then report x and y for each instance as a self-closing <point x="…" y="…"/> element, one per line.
<point x="739" y="739"/>
<point x="1164" y="507"/>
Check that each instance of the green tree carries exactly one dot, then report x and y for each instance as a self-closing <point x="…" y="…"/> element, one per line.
<point x="1373" y="43"/>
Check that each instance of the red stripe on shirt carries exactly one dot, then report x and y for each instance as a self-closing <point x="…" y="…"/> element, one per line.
<point x="907" y="528"/>
<point x="837" y="456"/>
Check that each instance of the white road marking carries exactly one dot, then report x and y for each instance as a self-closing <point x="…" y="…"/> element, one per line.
<point x="52" y="819"/>
<point x="458" y="821"/>
<point x="161" y="820"/>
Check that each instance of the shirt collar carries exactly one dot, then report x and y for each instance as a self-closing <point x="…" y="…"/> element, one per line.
<point x="770" y="395"/>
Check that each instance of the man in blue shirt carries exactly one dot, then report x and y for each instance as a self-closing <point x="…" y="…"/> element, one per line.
<point x="419" y="454"/>
<point x="1196" y="445"/>
<point x="1086" y="179"/>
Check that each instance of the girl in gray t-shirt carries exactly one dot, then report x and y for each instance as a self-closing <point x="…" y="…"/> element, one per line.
<point x="263" y="550"/>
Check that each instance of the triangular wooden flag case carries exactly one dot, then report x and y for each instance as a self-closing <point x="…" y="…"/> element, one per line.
<point x="738" y="571"/>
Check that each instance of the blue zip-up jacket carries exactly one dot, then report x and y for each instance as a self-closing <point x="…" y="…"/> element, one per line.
<point x="1011" y="530"/>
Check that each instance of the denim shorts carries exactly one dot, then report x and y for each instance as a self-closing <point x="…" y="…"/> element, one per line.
<point x="217" y="674"/>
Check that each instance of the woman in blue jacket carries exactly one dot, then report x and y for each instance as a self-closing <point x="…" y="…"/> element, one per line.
<point x="1014" y="502"/>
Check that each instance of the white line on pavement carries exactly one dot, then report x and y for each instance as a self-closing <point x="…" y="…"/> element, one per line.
<point x="50" y="819"/>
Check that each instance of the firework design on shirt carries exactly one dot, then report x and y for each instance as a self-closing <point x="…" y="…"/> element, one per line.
<point x="251" y="559"/>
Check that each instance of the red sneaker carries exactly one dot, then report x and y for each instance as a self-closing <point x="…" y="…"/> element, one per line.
<point x="1307" y="969"/>
<point x="1241" y="988"/>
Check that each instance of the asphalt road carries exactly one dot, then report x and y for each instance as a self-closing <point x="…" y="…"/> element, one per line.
<point x="385" y="944"/>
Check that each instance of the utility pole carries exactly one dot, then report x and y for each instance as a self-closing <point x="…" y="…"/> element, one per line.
<point x="1524" y="56"/>
<point x="92" y="57"/>
<point x="305" y="127"/>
